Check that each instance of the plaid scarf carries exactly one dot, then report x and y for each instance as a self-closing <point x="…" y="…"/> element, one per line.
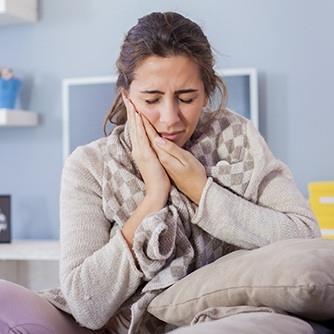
<point x="168" y="245"/>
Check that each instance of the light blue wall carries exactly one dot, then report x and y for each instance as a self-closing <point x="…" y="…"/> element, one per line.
<point x="290" y="42"/>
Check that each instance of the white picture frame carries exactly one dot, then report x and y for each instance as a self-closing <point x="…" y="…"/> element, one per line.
<point x="86" y="101"/>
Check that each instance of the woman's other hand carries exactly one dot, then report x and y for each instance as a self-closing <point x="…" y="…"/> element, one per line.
<point x="187" y="173"/>
<point x="156" y="179"/>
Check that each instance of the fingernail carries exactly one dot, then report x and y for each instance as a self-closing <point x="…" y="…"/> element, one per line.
<point x="160" y="140"/>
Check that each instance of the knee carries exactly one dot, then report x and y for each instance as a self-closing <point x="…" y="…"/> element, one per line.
<point x="8" y="292"/>
<point x="12" y="294"/>
<point x="18" y="310"/>
<point x="10" y="300"/>
<point x="25" y="311"/>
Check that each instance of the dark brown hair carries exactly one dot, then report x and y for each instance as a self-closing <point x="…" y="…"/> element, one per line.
<point x="163" y="35"/>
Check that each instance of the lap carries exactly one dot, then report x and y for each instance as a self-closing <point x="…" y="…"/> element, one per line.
<point x="24" y="311"/>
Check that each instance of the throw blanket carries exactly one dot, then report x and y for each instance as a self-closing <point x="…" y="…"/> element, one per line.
<point x="167" y="244"/>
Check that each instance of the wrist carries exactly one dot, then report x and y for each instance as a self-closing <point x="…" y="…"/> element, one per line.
<point x="197" y="192"/>
<point x="148" y="205"/>
<point x="154" y="202"/>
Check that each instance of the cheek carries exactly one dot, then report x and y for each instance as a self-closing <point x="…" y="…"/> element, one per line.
<point x="192" y="116"/>
<point x="149" y="112"/>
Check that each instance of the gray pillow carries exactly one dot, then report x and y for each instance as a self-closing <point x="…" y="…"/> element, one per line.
<point x="295" y="276"/>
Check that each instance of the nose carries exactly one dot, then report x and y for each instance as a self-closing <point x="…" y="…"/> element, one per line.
<point x="169" y="113"/>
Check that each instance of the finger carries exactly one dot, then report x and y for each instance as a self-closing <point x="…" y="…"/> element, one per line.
<point x="141" y="132"/>
<point x="172" y="149"/>
<point x="153" y="135"/>
<point x="150" y="130"/>
<point x="132" y="130"/>
<point x="166" y="150"/>
<point x="130" y="113"/>
<point x="164" y="144"/>
<point x="138" y="127"/>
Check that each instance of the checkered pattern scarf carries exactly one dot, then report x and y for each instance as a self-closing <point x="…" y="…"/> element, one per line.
<point x="167" y="244"/>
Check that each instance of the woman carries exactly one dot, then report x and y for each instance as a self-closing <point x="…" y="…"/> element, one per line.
<point x="175" y="185"/>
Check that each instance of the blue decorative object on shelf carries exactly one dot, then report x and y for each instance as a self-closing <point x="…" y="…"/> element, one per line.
<point x="9" y="89"/>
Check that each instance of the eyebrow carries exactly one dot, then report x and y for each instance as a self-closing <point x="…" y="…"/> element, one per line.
<point x="181" y="91"/>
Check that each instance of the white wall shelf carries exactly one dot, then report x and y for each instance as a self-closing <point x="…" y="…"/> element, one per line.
<point x="31" y="263"/>
<point x="30" y="250"/>
<point x="14" y="117"/>
<point x="18" y="11"/>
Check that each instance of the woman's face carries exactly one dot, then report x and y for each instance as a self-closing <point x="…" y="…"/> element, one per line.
<point x="170" y="93"/>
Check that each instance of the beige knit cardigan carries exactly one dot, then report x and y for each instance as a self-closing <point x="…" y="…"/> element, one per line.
<point x="250" y="200"/>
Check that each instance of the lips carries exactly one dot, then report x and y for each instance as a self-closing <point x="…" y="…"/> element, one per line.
<point x="171" y="135"/>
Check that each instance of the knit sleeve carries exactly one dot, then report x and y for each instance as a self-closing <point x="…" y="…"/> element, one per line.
<point x="154" y="242"/>
<point x="272" y="208"/>
<point x="97" y="270"/>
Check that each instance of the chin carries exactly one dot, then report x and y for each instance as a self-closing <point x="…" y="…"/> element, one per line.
<point x="181" y="143"/>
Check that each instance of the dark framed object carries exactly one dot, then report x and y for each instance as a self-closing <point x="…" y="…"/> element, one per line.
<point x="5" y="236"/>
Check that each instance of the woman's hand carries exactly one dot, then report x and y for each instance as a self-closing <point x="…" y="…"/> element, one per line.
<point x="187" y="173"/>
<point x="156" y="180"/>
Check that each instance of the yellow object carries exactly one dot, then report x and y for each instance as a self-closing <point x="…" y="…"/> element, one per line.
<point x="322" y="204"/>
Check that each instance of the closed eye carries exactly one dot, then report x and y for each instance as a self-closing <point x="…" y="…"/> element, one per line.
<point x="152" y="102"/>
<point x="186" y="101"/>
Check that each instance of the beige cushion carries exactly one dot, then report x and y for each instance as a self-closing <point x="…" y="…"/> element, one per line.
<point x="295" y="276"/>
<point x="251" y="323"/>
